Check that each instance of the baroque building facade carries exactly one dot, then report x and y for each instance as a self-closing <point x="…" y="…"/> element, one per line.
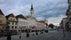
<point x="11" y="22"/>
<point x="22" y="22"/>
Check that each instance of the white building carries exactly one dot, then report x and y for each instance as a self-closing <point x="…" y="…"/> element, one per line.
<point x="11" y="22"/>
<point x="29" y="22"/>
<point x="22" y="22"/>
<point x="41" y="25"/>
<point x="31" y="19"/>
<point x="64" y="23"/>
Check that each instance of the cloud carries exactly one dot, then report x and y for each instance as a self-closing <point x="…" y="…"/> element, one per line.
<point x="55" y="20"/>
<point x="42" y="8"/>
<point x="20" y="10"/>
<point x="52" y="8"/>
<point x="40" y="18"/>
<point x="45" y="5"/>
<point x="1" y="1"/>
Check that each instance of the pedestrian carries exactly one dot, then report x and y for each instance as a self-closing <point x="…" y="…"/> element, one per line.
<point x="36" y="32"/>
<point x="8" y="36"/>
<point x="27" y="33"/>
<point x="20" y="36"/>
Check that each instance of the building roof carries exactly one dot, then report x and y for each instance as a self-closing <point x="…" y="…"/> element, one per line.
<point x="42" y="21"/>
<point x="21" y="16"/>
<point x="10" y="15"/>
<point x="28" y="16"/>
<point x="1" y="12"/>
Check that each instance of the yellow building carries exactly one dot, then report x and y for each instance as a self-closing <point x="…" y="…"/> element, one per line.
<point x="2" y="21"/>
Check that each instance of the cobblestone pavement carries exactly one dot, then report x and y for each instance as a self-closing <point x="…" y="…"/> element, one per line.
<point x="51" y="35"/>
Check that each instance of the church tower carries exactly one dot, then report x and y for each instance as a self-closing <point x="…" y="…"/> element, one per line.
<point x="32" y="11"/>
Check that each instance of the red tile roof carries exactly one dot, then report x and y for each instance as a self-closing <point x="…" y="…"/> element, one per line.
<point x="41" y="21"/>
<point x="10" y="15"/>
<point x="21" y="16"/>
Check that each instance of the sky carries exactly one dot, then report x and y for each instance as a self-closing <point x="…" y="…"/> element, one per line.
<point x="52" y="10"/>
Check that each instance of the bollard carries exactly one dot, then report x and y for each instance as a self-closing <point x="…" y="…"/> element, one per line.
<point x="27" y="34"/>
<point x="36" y="33"/>
<point x="20" y="36"/>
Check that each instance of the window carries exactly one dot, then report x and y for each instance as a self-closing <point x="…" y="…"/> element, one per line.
<point x="7" y="27"/>
<point x="8" y="22"/>
<point x="10" y="18"/>
<point x="12" y="23"/>
<point x="12" y="27"/>
<point x="15" y="27"/>
<point x="15" y="23"/>
<point x="14" y="19"/>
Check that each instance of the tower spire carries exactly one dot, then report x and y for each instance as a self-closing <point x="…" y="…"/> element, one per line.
<point x="32" y="7"/>
<point x="32" y="11"/>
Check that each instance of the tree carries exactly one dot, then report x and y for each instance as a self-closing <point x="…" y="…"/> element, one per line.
<point x="51" y="25"/>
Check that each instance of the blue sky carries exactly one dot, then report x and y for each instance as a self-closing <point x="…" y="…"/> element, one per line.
<point x="52" y="10"/>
